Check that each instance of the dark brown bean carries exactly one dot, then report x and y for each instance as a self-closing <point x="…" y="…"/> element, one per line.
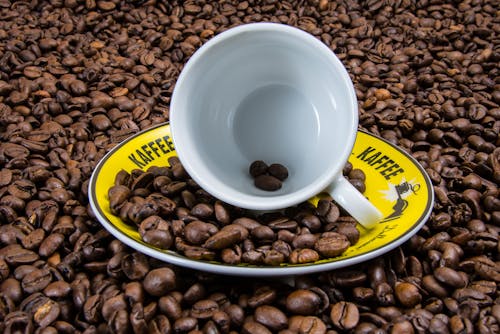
<point x="267" y="182"/>
<point x="159" y="281"/>
<point x="257" y="168"/>
<point x="278" y="171"/>
<point x="332" y="245"/>
<point x="271" y="317"/>
<point x="303" y="302"/>
<point x="204" y="309"/>
<point x="407" y="294"/>
<point x="344" y="315"/>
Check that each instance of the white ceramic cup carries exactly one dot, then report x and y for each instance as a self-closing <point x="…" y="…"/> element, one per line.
<point x="271" y="92"/>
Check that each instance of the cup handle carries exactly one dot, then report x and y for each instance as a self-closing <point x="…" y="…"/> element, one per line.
<point x="349" y="198"/>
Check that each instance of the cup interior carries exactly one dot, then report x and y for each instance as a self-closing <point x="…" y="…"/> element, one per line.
<point x="263" y="92"/>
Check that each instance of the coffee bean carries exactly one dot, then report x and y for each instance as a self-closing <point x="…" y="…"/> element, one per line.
<point x="430" y="283"/>
<point x="135" y="266"/>
<point x="271" y="317"/>
<point x="36" y="280"/>
<point x="332" y="245"/>
<point x="303" y="302"/>
<point x="267" y="182"/>
<point x="23" y="189"/>
<point x="221" y="213"/>
<point x="299" y="256"/>
<point x="307" y="324"/>
<point x="278" y="171"/>
<point x="328" y="210"/>
<point x="197" y="232"/>
<point x="57" y="289"/>
<point x="305" y="241"/>
<point x="12" y="289"/>
<point x="257" y="168"/>
<point x="159" y="281"/>
<point x="204" y="309"/>
<point x="34" y="239"/>
<point x="451" y="277"/>
<point x="407" y="294"/>
<point x="46" y="313"/>
<point x="185" y="324"/>
<point x="223" y="239"/>
<point x="263" y="233"/>
<point x="50" y="244"/>
<point x="16" y="255"/>
<point x="156" y="231"/>
<point x="344" y="315"/>
<point x="202" y="210"/>
<point x="253" y="327"/>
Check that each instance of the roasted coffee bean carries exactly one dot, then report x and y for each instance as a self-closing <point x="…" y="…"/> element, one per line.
<point x="34" y="239"/>
<point x="344" y="315"/>
<point x="12" y="289"/>
<point x="312" y="222"/>
<point x="223" y="239"/>
<point x="300" y="256"/>
<point x="50" y="244"/>
<point x="204" y="309"/>
<point x="202" y="210"/>
<point x="222" y="213"/>
<point x="46" y="313"/>
<point x="112" y="305"/>
<point x="135" y="265"/>
<point x="257" y="168"/>
<point x="197" y="232"/>
<point x="185" y="324"/>
<point x="278" y="171"/>
<point x="267" y="182"/>
<point x="159" y="281"/>
<point x="253" y="327"/>
<point x="57" y="289"/>
<point x="36" y="280"/>
<point x="407" y="294"/>
<point x="157" y="232"/>
<point x="305" y="241"/>
<point x="303" y="302"/>
<point x="306" y="324"/>
<point x="23" y="189"/>
<point x="451" y="277"/>
<point x="328" y="210"/>
<point x="331" y="245"/>
<point x="263" y="233"/>
<point x="159" y="324"/>
<point x="271" y="317"/>
<point x="16" y="255"/>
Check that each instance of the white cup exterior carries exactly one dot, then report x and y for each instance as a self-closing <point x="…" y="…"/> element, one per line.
<point x="266" y="91"/>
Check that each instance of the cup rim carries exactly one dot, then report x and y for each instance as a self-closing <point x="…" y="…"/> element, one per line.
<point x="220" y="190"/>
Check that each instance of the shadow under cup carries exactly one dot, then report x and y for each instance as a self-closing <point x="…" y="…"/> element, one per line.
<point x="263" y="92"/>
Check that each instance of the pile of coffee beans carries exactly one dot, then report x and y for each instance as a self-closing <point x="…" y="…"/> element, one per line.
<point x="266" y="177"/>
<point x="77" y="77"/>
<point x="171" y="211"/>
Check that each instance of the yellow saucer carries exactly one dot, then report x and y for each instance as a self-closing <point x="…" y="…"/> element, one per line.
<point x="396" y="184"/>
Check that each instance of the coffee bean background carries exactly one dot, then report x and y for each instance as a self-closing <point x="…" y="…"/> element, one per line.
<point x="77" y="77"/>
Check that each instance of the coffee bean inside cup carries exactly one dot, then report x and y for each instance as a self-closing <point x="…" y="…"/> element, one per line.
<point x="266" y="177"/>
